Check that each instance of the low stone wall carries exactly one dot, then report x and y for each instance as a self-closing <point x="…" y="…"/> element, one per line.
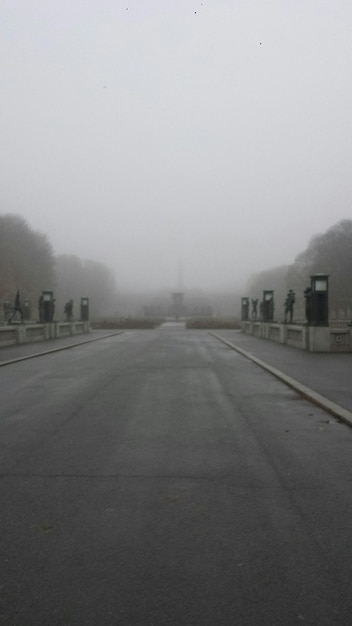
<point x="297" y="336"/>
<point x="15" y="334"/>
<point x="337" y="337"/>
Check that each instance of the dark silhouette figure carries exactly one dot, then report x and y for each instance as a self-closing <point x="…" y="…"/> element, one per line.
<point x="69" y="310"/>
<point x="254" y="308"/>
<point x="308" y="294"/>
<point x="17" y="308"/>
<point x="289" y="304"/>
<point x="41" y="309"/>
<point x="51" y="310"/>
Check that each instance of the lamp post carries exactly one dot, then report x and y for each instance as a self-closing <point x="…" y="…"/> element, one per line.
<point x="244" y="309"/>
<point x="84" y="309"/>
<point x="268" y="305"/>
<point x="47" y="306"/>
<point x="26" y="310"/>
<point x="320" y="299"/>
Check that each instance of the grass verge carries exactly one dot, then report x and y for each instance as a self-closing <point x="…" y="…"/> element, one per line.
<point x="125" y="323"/>
<point x="213" y="322"/>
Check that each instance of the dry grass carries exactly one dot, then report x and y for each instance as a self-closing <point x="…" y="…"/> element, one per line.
<point x="213" y="322"/>
<point x="126" y="322"/>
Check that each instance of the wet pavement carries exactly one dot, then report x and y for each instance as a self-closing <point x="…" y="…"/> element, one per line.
<point x="36" y="348"/>
<point x="326" y="373"/>
<point x="159" y="478"/>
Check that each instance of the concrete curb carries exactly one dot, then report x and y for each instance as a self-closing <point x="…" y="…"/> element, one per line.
<point x="306" y="392"/>
<point x="59" y="349"/>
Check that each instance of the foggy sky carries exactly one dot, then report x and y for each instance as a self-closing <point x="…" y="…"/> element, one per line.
<point x="149" y="134"/>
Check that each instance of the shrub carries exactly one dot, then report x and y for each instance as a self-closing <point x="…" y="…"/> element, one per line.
<point x="126" y="323"/>
<point x="213" y="322"/>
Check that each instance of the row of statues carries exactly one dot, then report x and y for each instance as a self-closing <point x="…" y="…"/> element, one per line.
<point x="266" y="307"/>
<point x="46" y="309"/>
<point x="316" y="304"/>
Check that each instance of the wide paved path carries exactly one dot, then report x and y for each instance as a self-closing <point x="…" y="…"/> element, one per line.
<point x="159" y="478"/>
<point x="329" y="374"/>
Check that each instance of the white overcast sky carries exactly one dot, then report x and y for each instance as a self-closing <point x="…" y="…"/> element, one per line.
<point x="149" y="134"/>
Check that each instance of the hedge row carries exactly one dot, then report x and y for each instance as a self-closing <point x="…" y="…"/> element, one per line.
<point x="126" y="322"/>
<point x="211" y="322"/>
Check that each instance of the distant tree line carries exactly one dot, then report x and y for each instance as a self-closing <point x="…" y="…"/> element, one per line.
<point x="28" y="264"/>
<point x="331" y="253"/>
<point x="27" y="260"/>
<point x="275" y="278"/>
<point x="76" y="278"/>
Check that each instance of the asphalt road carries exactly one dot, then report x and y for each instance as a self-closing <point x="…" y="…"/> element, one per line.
<point x="159" y="478"/>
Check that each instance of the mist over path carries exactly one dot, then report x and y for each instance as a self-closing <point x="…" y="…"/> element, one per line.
<point x="159" y="478"/>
